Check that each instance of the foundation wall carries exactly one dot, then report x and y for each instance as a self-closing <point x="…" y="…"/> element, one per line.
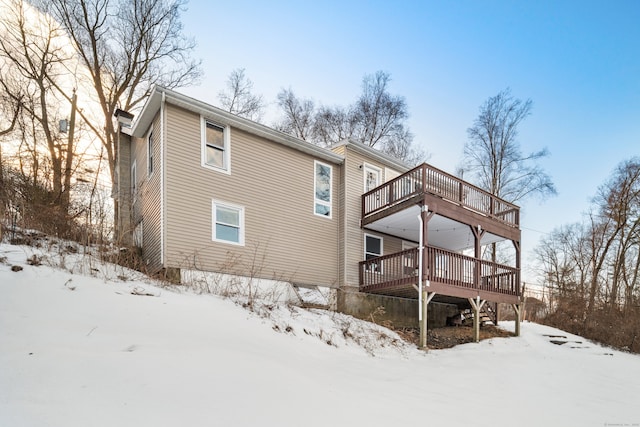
<point x="401" y="312"/>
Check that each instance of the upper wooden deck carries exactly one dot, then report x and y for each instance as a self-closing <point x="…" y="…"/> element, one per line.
<point x="427" y="180"/>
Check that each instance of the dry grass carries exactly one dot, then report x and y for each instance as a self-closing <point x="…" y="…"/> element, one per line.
<point x="451" y="336"/>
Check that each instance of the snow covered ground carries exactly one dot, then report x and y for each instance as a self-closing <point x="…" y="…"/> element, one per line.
<point x="85" y="346"/>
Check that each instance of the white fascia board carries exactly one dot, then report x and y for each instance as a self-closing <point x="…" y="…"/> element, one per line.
<point x="372" y="153"/>
<point x="209" y="111"/>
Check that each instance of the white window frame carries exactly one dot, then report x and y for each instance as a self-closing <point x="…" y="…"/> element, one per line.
<point x="317" y="201"/>
<point x="134" y="181"/>
<point x="241" y="230"/>
<point x="377" y="269"/>
<point x="150" y="157"/>
<point x="370" y="168"/>
<point x="226" y="138"/>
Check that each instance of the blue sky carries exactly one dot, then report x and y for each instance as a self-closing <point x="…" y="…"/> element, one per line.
<point x="579" y="61"/>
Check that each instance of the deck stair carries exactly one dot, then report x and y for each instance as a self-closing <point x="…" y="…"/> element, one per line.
<point x="488" y="314"/>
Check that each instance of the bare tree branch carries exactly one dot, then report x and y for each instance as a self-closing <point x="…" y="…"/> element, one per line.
<point x="33" y="64"/>
<point x="127" y="46"/>
<point x="377" y="119"/>
<point x="298" y="115"/>
<point x="492" y="154"/>
<point x="239" y="99"/>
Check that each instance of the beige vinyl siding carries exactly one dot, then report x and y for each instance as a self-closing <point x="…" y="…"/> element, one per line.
<point x="148" y="201"/>
<point x="389" y="174"/>
<point x="353" y="234"/>
<point x="274" y="184"/>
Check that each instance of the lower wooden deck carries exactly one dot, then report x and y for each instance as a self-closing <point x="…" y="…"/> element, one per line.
<point x="448" y="274"/>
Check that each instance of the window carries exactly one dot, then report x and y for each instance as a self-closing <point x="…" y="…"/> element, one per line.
<point x="322" y="189"/>
<point x="372" y="177"/>
<point x="228" y="223"/>
<point x="134" y="181"/>
<point x="215" y="146"/>
<point x="150" y="154"/>
<point x="373" y="249"/>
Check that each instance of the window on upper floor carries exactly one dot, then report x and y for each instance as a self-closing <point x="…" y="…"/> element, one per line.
<point x="228" y="223"/>
<point x="150" y="154"/>
<point x="322" y="189"/>
<point x="215" y="146"/>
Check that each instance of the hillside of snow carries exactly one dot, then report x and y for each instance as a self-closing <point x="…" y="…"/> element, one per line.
<point x="89" y="344"/>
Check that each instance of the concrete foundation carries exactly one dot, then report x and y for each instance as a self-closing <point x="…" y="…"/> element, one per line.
<point x="401" y="312"/>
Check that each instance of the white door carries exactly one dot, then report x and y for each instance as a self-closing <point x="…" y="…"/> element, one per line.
<point x="372" y="177"/>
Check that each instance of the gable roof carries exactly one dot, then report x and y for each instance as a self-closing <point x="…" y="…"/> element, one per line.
<point x="372" y="153"/>
<point x="160" y="94"/>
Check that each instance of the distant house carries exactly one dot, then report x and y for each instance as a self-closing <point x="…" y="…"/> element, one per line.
<point x="200" y="189"/>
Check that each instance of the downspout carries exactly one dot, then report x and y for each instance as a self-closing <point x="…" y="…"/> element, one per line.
<point x="345" y="217"/>
<point x="420" y="268"/>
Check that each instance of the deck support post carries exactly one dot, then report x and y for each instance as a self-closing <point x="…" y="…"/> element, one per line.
<point x="476" y="306"/>
<point x="478" y="233"/>
<point x="423" y="282"/>
<point x="426" y="299"/>
<point x="516" y="308"/>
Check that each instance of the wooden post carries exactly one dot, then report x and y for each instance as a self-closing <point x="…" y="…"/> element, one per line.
<point x="423" y="323"/>
<point x="516" y="308"/>
<point x="476" y="306"/>
<point x="426" y="299"/>
<point x="478" y="233"/>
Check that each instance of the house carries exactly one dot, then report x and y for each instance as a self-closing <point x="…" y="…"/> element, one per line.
<point x="200" y="189"/>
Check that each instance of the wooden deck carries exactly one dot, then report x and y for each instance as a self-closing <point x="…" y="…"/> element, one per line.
<point x="448" y="273"/>
<point x="425" y="179"/>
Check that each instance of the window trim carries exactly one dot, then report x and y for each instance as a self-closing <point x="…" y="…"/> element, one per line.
<point x="241" y="226"/>
<point x="381" y="239"/>
<point x="365" y="167"/>
<point x="150" y="156"/>
<point x="226" y="138"/>
<point x="317" y="201"/>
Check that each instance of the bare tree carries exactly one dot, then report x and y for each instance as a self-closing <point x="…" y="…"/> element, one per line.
<point x="9" y="107"/>
<point x="298" y="117"/>
<point x="334" y="124"/>
<point x="13" y="108"/>
<point x="493" y="156"/>
<point x="594" y="267"/>
<point x="238" y="98"/>
<point x="403" y="149"/>
<point x="377" y="119"/>
<point x="381" y="116"/>
<point x="34" y="59"/>
<point x="126" y="46"/>
<point x="619" y="202"/>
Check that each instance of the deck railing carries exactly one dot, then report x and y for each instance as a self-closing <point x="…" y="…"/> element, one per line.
<point x="451" y="268"/>
<point x="427" y="179"/>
